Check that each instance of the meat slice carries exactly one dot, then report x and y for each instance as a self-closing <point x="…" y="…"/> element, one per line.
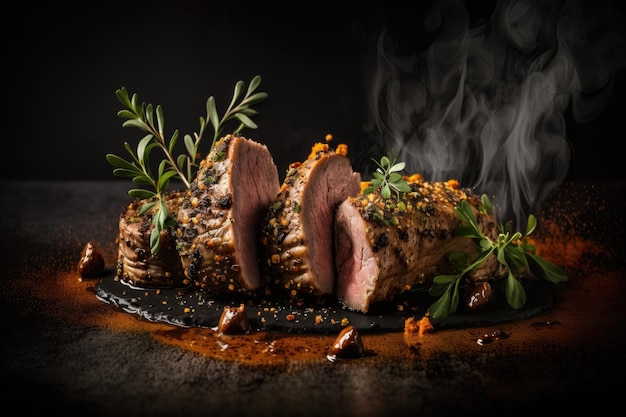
<point x="385" y="247"/>
<point x="136" y="265"/>
<point x="220" y="215"/>
<point x="297" y="231"/>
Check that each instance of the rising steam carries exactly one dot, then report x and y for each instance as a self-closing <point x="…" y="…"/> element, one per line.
<point x="485" y="104"/>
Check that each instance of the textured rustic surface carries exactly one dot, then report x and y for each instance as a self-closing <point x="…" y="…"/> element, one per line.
<point x="63" y="350"/>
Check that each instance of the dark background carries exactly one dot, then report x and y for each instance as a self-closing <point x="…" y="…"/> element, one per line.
<point x="63" y="64"/>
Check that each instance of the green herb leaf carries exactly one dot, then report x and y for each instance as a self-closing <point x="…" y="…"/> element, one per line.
<point x="514" y="292"/>
<point x="184" y="166"/>
<point x="511" y="250"/>
<point x="387" y="178"/>
<point x="545" y="270"/>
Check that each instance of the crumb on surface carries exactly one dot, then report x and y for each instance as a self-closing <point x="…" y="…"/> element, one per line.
<point x="419" y="327"/>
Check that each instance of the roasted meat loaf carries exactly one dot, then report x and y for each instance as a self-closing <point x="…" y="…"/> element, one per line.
<point x="219" y="216"/>
<point x="297" y="231"/>
<point x="385" y="247"/>
<point x="136" y="265"/>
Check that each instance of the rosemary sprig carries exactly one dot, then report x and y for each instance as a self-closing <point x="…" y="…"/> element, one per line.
<point x="512" y="250"/>
<point x="183" y="167"/>
<point x="388" y="178"/>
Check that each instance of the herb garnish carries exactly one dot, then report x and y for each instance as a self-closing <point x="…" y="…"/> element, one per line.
<point x="183" y="167"/>
<point x="388" y="178"/>
<point x="512" y="250"/>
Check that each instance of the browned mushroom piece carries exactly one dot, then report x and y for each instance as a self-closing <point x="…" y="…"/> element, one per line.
<point x="347" y="345"/>
<point x="233" y="321"/>
<point x="91" y="263"/>
<point x="477" y="295"/>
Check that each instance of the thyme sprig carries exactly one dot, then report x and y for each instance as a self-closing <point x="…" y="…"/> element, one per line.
<point x="388" y="178"/>
<point x="512" y="250"/>
<point x="150" y="119"/>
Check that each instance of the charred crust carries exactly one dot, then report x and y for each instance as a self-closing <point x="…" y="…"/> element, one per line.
<point x="225" y="202"/>
<point x="403" y="234"/>
<point x="223" y="146"/>
<point x="141" y="254"/>
<point x="429" y="209"/>
<point x="381" y="242"/>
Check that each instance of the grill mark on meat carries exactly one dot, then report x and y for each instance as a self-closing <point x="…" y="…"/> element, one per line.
<point x="220" y="214"/>
<point x="383" y="250"/>
<point x="297" y="230"/>
<point x="136" y="265"/>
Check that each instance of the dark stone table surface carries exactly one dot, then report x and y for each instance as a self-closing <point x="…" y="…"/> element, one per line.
<point x="49" y="364"/>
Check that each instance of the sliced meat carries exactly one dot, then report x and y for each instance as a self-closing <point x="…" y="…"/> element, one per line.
<point x="136" y="265"/>
<point x="297" y="231"/>
<point x="385" y="247"/>
<point x="220" y="215"/>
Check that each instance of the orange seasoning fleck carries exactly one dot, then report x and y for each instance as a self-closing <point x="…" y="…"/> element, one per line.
<point x="329" y="137"/>
<point x="414" y="178"/>
<point x="342" y="149"/>
<point x="454" y="184"/>
<point x="421" y="326"/>
<point x="316" y="148"/>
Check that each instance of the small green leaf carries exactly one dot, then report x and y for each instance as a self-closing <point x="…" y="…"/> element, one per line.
<point x="155" y="240"/>
<point x="236" y="93"/>
<point x="464" y="211"/>
<point x="444" y="279"/>
<point x="143" y="149"/>
<point x="146" y="207"/>
<point x="126" y="114"/>
<point x="486" y="204"/>
<point x="246" y="120"/>
<point x="394" y="177"/>
<point x="172" y="142"/>
<point x="515" y="259"/>
<point x="441" y="308"/>
<point x="160" y="120"/>
<point x="485" y="243"/>
<point x="190" y="146"/>
<point x="211" y="112"/>
<point x="255" y="98"/>
<point x="248" y="111"/>
<point x="122" y="172"/>
<point x="397" y="167"/>
<point x="165" y="178"/>
<point x="514" y="291"/>
<point x="143" y="180"/>
<point x="546" y="270"/>
<point x="468" y="232"/>
<point x="141" y="193"/>
<point x="531" y="224"/>
<point x="180" y="161"/>
<point x="135" y="123"/>
<point x="386" y="192"/>
<point x="118" y="162"/>
<point x="254" y="84"/>
<point x="402" y="187"/>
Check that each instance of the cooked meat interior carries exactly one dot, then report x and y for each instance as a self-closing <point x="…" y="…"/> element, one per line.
<point x="297" y="231"/>
<point x="220" y="215"/>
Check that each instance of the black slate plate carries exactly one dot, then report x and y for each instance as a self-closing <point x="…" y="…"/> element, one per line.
<point x="192" y="308"/>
